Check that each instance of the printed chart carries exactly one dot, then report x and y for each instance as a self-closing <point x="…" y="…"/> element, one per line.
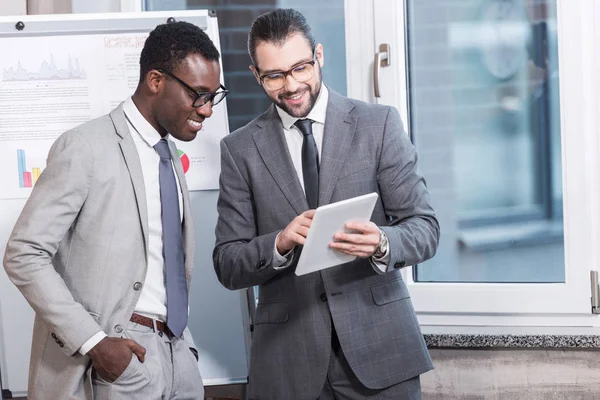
<point x="69" y="81"/>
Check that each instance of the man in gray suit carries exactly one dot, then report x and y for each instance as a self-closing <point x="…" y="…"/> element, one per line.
<point x="348" y="332"/>
<point x="103" y="250"/>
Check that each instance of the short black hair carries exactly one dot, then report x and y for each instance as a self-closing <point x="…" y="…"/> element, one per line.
<point x="169" y="44"/>
<point x="276" y="27"/>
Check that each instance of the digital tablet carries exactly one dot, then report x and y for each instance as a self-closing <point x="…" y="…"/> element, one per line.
<point x="329" y="219"/>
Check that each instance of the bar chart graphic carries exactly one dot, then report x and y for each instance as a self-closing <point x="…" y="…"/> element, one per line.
<point x="26" y="178"/>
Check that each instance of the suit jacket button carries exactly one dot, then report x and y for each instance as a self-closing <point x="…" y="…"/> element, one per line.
<point x="61" y="344"/>
<point x="118" y="328"/>
<point x="53" y="336"/>
<point x="261" y="264"/>
<point x="137" y="286"/>
<point x="323" y="297"/>
<point x="400" y="264"/>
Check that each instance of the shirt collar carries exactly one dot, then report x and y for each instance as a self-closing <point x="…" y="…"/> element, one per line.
<point x="140" y="124"/>
<point x="317" y="114"/>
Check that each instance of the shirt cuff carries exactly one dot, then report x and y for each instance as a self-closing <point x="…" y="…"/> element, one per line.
<point x="279" y="261"/>
<point x="91" y="343"/>
<point x="380" y="264"/>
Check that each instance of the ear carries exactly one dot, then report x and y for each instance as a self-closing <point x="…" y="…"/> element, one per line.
<point x="255" y="73"/>
<point x="154" y="81"/>
<point x="320" y="54"/>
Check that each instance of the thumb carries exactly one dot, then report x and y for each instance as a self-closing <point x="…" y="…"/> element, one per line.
<point x="138" y="350"/>
<point x="310" y="214"/>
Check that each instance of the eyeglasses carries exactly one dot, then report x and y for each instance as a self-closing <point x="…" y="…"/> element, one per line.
<point x="201" y="97"/>
<point x="277" y="80"/>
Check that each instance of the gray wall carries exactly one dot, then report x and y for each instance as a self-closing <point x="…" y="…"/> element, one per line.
<point x="507" y="374"/>
<point x="13" y="7"/>
<point x="96" y="6"/>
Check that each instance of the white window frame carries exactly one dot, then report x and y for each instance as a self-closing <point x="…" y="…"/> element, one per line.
<point x="478" y="305"/>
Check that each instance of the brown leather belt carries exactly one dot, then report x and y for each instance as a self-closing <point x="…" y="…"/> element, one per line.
<point x="149" y="322"/>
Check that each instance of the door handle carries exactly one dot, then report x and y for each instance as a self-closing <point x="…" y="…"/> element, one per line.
<point x="382" y="59"/>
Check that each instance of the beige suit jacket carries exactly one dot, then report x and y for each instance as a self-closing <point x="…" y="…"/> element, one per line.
<point x="79" y="248"/>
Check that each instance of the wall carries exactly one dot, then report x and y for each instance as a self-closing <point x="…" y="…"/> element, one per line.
<point x="13" y="7"/>
<point x="96" y="6"/>
<point x="49" y="6"/>
<point x="507" y="374"/>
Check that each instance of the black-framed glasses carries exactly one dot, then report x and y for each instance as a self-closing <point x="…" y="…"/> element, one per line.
<point x="201" y="97"/>
<point x="301" y="73"/>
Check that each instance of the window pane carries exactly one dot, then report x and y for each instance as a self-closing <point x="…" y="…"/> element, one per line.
<point x="246" y="99"/>
<point x="484" y="109"/>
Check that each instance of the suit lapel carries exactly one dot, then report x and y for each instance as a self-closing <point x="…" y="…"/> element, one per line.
<point x="274" y="151"/>
<point x="340" y="127"/>
<point x="132" y="160"/>
<point x="188" y="234"/>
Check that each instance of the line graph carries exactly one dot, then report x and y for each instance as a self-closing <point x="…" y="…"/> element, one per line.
<point x="47" y="71"/>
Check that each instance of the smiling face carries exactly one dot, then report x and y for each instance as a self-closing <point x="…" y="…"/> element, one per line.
<point x="295" y="98"/>
<point x="172" y="109"/>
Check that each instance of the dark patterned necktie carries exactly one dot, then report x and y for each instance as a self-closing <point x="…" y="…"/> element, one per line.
<point x="310" y="163"/>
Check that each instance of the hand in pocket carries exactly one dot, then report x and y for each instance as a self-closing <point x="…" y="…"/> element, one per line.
<point x="111" y="357"/>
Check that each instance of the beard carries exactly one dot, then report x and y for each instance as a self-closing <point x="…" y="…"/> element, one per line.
<point x="302" y="110"/>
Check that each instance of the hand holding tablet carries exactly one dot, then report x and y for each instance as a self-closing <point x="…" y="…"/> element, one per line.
<point x="327" y="221"/>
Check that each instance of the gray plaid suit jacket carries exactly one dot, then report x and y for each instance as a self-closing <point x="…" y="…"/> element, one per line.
<point x="365" y="149"/>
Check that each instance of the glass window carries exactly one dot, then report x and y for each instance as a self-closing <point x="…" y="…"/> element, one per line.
<point x="246" y="99"/>
<point x="484" y="115"/>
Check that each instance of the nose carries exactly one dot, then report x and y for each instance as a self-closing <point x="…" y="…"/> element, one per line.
<point x="291" y="84"/>
<point x="205" y="110"/>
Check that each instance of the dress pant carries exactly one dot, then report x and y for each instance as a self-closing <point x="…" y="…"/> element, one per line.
<point x="170" y="370"/>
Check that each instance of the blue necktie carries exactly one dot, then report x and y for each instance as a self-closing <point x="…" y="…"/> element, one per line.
<point x="310" y="163"/>
<point x="177" y="295"/>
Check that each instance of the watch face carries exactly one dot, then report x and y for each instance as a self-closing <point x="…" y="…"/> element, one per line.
<point x="504" y="30"/>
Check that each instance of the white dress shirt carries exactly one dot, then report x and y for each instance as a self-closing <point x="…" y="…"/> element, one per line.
<point x="153" y="298"/>
<point x="294" y="140"/>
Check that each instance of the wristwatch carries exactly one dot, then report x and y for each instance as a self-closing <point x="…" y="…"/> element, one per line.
<point x="383" y="246"/>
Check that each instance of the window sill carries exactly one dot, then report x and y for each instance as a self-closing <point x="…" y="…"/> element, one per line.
<point x="512" y="341"/>
<point x="504" y="236"/>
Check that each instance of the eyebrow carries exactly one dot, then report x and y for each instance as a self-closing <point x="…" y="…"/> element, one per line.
<point x="280" y="70"/>
<point x="202" y="88"/>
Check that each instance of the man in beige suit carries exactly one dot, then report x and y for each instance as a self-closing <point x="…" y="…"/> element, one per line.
<point x="103" y="250"/>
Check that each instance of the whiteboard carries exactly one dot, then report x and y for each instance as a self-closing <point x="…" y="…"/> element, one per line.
<point x="218" y="317"/>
